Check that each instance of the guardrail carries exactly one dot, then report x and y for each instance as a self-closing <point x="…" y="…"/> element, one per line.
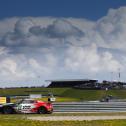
<point x="90" y="107"/>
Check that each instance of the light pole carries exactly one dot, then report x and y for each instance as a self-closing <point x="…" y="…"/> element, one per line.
<point x="119" y="74"/>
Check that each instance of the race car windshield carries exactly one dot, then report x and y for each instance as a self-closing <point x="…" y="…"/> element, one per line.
<point x="28" y="101"/>
<point x="19" y="102"/>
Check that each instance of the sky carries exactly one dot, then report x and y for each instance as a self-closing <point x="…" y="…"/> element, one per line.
<point x="61" y="39"/>
<point x="89" y="9"/>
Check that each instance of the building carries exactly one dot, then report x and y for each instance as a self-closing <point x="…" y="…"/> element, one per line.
<point x="76" y="83"/>
<point x="86" y="84"/>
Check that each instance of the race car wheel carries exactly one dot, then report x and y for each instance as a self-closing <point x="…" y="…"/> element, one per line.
<point x="50" y="112"/>
<point x="42" y="110"/>
<point x="8" y="110"/>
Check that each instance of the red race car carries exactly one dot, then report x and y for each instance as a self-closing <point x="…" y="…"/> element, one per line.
<point x="27" y="106"/>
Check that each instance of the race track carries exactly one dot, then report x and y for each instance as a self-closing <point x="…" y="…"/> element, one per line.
<point x="77" y="107"/>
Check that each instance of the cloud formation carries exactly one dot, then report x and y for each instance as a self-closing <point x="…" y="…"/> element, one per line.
<point x="48" y="47"/>
<point x="27" y="34"/>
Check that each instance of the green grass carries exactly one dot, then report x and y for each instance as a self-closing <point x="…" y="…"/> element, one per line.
<point x="66" y="94"/>
<point x="83" y="94"/>
<point x="63" y="123"/>
<point x="27" y="91"/>
<point x="93" y="94"/>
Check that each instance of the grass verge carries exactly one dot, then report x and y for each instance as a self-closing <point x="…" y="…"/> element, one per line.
<point x="66" y="94"/>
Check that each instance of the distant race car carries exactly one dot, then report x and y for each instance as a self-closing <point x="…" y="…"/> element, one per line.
<point x="27" y="106"/>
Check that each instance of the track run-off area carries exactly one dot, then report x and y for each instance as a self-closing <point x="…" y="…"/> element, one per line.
<point x="75" y="118"/>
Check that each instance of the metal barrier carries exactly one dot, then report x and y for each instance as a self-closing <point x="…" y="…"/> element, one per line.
<point x="90" y="107"/>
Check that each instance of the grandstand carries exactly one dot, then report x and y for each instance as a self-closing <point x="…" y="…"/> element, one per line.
<point x="86" y="84"/>
<point x="71" y="83"/>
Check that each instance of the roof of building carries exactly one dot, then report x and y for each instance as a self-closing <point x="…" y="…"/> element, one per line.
<point x="66" y="80"/>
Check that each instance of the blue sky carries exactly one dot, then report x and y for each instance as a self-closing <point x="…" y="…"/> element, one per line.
<point x="89" y="9"/>
<point x="61" y="39"/>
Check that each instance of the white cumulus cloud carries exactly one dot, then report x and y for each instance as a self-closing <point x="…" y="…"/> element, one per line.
<point x="48" y="47"/>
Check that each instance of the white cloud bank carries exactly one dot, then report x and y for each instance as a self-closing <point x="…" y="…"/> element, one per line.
<point x="47" y="47"/>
